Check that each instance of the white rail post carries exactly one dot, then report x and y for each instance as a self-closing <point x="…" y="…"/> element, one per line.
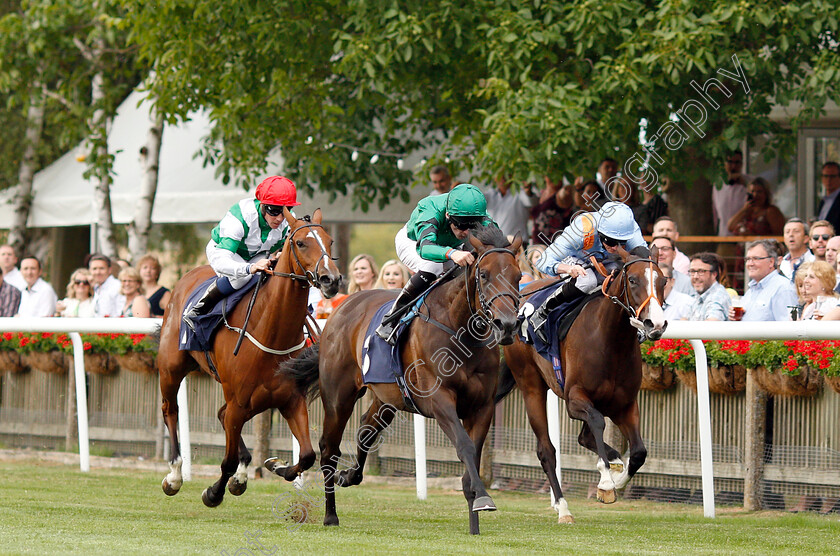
<point x="420" y="455"/>
<point x="552" y="406"/>
<point x="81" y="400"/>
<point x="184" y="431"/>
<point x="704" y="416"/>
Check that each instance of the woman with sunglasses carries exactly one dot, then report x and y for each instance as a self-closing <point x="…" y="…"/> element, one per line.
<point x="432" y="242"/>
<point x="79" y="300"/>
<point x="597" y="234"/>
<point x="239" y="246"/>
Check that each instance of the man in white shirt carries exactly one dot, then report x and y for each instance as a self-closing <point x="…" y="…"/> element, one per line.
<point x="677" y="305"/>
<point x="665" y="245"/>
<point x="821" y="232"/>
<point x="106" y="288"/>
<point x="509" y="210"/>
<point x="796" y="240"/>
<point x="38" y="299"/>
<point x="11" y="274"/>
<point x="666" y="226"/>
<point x="770" y="295"/>
<point x="731" y="196"/>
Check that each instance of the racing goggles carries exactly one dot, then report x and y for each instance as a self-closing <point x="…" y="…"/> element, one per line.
<point x="465" y="223"/>
<point x="610" y="242"/>
<point x="275" y="210"/>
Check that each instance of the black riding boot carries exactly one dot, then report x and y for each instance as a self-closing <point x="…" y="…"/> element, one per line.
<point x="416" y="286"/>
<point x="566" y="292"/>
<point x="203" y="306"/>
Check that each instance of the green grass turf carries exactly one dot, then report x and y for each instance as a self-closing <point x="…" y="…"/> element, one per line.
<point x="55" y="509"/>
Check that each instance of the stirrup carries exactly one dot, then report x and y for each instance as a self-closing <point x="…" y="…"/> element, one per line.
<point x="386" y="331"/>
<point x="538" y="321"/>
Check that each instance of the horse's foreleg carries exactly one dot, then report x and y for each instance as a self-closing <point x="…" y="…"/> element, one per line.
<point x="337" y="410"/>
<point x="628" y="423"/>
<point x="581" y="408"/>
<point x="238" y="484"/>
<point x="169" y="385"/>
<point x="534" y="395"/>
<point x="234" y="419"/>
<point x="297" y="416"/>
<point x="476" y="426"/>
<point x="377" y="418"/>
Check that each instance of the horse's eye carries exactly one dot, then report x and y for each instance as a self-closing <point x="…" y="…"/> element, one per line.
<point x="483" y="274"/>
<point x="299" y="243"/>
<point x="633" y="280"/>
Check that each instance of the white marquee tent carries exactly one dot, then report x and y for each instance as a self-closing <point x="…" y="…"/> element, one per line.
<point x="187" y="191"/>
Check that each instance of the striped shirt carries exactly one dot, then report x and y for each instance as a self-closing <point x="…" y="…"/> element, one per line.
<point x="712" y="304"/>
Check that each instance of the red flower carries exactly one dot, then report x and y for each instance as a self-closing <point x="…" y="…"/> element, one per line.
<point x="87" y="346"/>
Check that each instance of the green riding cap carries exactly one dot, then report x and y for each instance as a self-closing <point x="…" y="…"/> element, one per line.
<point x="466" y="200"/>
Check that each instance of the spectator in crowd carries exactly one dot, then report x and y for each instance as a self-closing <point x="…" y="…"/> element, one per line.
<point x="723" y="277"/>
<point x="363" y="272"/>
<point x="624" y="191"/>
<point x="796" y="241"/>
<point x="509" y="210"/>
<point x="832" y="246"/>
<point x="79" y="296"/>
<point x="106" y="288"/>
<point x="821" y="232"/>
<point x="677" y="305"/>
<point x="731" y="195"/>
<point x="118" y="265"/>
<point x="9" y="299"/>
<point x="769" y="294"/>
<point x="650" y="210"/>
<point x="8" y="264"/>
<point x="607" y="170"/>
<point x="816" y="295"/>
<point x="38" y="299"/>
<point x="758" y="216"/>
<point x="553" y="212"/>
<point x="392" y="276"/>
<point x="528" y="274"/>
<point x="441" y="180"/>
<point x="829" y="209"/>
<point x="665" y="245"/>
<point x="667" y="226"/>
<point x="131" y="295"/>
<point x="711" y="301"/>
<point x="587" y="196"/>
<point x="532" y="256"/>
<point x="149" y="268"/>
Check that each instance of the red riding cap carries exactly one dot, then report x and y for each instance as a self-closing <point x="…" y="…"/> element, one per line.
<point x="277" y="190"/>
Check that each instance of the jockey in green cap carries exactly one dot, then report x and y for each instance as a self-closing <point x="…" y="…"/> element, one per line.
<point x="432" y="241"/>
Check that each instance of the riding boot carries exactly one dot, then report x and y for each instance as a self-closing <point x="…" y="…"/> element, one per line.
<point x="213" y="295"/>
<point x="415" y="286"/>
<point x="566" y="292"/>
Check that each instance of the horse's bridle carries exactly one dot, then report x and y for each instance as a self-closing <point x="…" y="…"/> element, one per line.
<point x="623" y="298"/>
<point x="308" y="276"/>
<point x="485" y="305"/>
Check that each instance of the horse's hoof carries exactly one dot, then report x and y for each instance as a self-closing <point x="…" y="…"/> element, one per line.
<point x="347" y="479"/>
<point x="483" y="504"/>
<point x="168" y="489"/>
<point x="277" y="467"/>
<point x="208" y="500"/>
<point x="235" y="487"/>
<point x="566" y="519"/>
<point x="330" y="521"/>
<point x="606" y="496"/>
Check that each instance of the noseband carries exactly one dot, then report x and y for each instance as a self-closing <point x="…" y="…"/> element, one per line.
<point x="308" y="276"/>
<point x="485" y="305"/>
<point x="623" y="298"/>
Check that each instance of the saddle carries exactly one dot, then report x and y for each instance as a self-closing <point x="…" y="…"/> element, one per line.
<point x="206" y="325"/>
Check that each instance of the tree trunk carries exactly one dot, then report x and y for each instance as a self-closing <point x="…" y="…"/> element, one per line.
<point x="138" y="228"/>
<point x="105" y="241"/>
<point x="756" y="402"/>
<point x="26" y="174"/>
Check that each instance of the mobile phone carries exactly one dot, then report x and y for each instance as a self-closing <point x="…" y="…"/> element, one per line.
<point x="749" y="197"/>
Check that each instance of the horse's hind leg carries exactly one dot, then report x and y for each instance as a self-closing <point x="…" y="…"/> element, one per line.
<point x="297" y="416"/>
<point x="238" y="484"/>
<point x="170" y="381"/>
<point x="338" y="406"/>
<point x="377" y="418"/>
<point x="587" y="440"/>
<point x="628" y="423"/>
<point x="234" y="419"/>
<point x="581" y="408"/>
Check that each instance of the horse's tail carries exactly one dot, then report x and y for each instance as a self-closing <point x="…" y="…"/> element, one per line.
<point x="304" y="370"/>
<point x="155" y="336"/>
<point x="506" y="382"/>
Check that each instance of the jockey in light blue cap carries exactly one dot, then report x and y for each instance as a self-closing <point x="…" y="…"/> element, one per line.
<point x="590" y="234"/>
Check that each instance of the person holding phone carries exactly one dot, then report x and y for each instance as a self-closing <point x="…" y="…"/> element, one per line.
<point x="758" y="216"/>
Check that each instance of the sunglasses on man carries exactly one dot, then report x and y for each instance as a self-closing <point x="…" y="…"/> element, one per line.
<point x="610" y="242"/>
<point x="464" y="226"/>
<point x="825" y="237"/>
<point x="275" y="210"/>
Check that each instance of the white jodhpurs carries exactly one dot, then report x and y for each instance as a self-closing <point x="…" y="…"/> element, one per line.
<point x="407" y="253"/>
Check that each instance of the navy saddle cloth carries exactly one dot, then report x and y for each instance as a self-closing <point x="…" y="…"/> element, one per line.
<point x="207" y="324"/>
<point x="559" y="322"/>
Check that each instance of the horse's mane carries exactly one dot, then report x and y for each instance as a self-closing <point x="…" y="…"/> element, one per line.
<point x="490" y="235"/>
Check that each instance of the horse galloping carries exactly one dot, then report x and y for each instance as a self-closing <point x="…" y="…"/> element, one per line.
<point x="248" y="380"/>
<point x="450" y="360"/>
<point x="601" y="360"/>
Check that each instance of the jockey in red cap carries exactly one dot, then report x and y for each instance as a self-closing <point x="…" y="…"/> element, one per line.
<point x="239" y="246"/>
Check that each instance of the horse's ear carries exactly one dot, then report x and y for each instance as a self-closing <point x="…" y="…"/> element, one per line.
<point x="624" y="254"/>
<point x="516" y="244"/>
<point x="654" y="254"/>
<point x="316" y="216"/>
<point x="476" y="243"/>
<point x="290" y="218"/>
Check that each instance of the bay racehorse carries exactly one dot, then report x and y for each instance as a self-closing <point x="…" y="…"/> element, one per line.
<point x="450" y="358"/>
<point x="602" y="364"/>
<point x="248" y="379"/>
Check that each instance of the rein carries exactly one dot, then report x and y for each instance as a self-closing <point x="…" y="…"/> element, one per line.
<point x="623" y="301"/>
<point x="308" y="276"/>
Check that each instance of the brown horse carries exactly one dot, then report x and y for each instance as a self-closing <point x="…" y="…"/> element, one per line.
<point x="602" y="363"/>
<point x="249" y="380"/>
<point x="451" y="366"/>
